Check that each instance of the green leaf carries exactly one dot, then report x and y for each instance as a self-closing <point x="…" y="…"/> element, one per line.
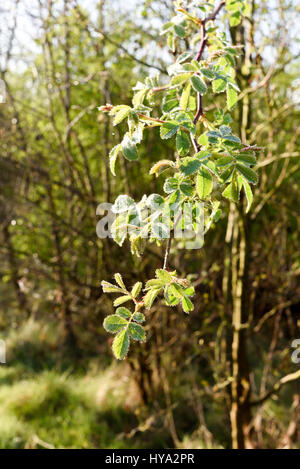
<point x="110" y="288"/>
<point x="170" y="185"/>
<point x="232" y="191"/>
<point x="136" y="289"/>
<point x="176" y="290"/>
<point x="204" y="183"/>
<point x="123" y="312"/>
<point x="123" y="203"/>
<point x="168" y="129"/>
<point x="183" y="57"/>
<point x="179" y="30"/>
<point x="155" y="202"/>
<point x="180" y="79"/>
<point x="119" y="280"/>
<point x="207" y="73"/>
<point x="189" y="165"/>
<point x="198" y="84"/>
<point x="161" y="166"/>
<point x="113" y="154"/>
<point x="169" y="104"/>
<point x="226" y="175"/>
<point x="171" y="300"/>
<point x="186" y="188"/>
<point x="139" y="97"/>
<point x="121" y="300"/>
<point x="139" y="317"/>
<point x="219" y="85"/>
<point x="235" y="19"/>
<point x="249" y="195"/>
<point x="114" y="323"/>
<point x="189" y="291"/>
<point x="166" y="27"/>
<point x="182" y="143"/>
<point x="185" y="96"/>
<point x="137" y="332"/>
<point x="129" y="149"/>
<point x="120" y="345"/>
<point x="171" y="42"/>
<point x="224" y="161"/>
<point x="154" y="283"/>
<point x="121" y="115"/>
<point x="187" y="305"/>
<point x="247" y="173"/>
<point x="246" y="158"/>
<point x="232" y="97"/>
<point x="164" y="275"/>
<point x="150" y="297"/>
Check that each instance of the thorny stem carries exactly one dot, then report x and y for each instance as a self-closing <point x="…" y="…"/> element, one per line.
<point x="200" y="111"/>
<point x="203" y="44"/>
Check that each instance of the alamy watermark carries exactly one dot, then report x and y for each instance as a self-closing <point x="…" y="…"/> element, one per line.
<point x="152" y="218"/>
<point x="296" y="353"/>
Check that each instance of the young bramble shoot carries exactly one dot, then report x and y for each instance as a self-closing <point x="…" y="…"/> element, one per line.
<point x="210" y="162"/>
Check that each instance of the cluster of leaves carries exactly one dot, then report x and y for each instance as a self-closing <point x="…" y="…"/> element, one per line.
<point x="175" y="290"/>
<point x="127" y="324"/>
<point x="210" y="161"/>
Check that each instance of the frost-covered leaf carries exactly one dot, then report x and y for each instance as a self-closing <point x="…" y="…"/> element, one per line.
<point x="123" y="203"/>
<point x="180" y="79"/>
<point x="219" y="85"/>
<point x="121" y="115"/>
<point x="113" y="154"/>
<point x="161" y="166"/>
<point x="154" y="283"/>
<point x="246" y="158"/>
<point x="187" y="305"/>
<point x="249" y="195"/>
<point x="182" y="143"/>
<point x="121" y="344"/>
<point x="119" y="280"/>
<point x="129" y="149"/>
<point x="139" y="97"/>
<point x="150" y="297"/>
<point x="123" y="312"/>
<point x="231" y="96"/>
<point x="136" y="289"/>
<point x="122" y="299"/>
<point x="185" y="96"/>
<point x="207" y="73"/>
<point x="164" y="275"/>
<point x="204" y="183"/>
<point x="225" y="161"/>
<point x="139" y="317"/>
<point x="170" y="185"/>
<point x="110" y="288"/>
<point x="186" y="188"/>
<point x="155" y="202"/>
<point x="198" y="84"/>
<point x="247" y="173"/>
<point x="179" y="30"/>
<point x="189" y="165"/>
<point x="176" y="290"/>
<point x="137" y="332"/>
<point x="114" y="323"/>
<point x="168" y="129"/>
